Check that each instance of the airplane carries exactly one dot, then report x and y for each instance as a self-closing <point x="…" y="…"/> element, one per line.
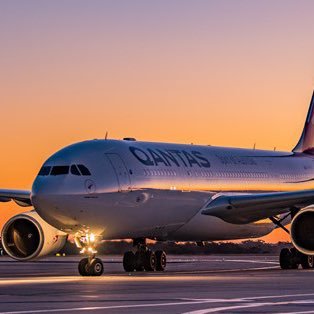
<point x="103" y="189"/>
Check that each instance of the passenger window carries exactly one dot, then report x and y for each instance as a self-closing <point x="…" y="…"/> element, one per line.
<point x="59" y="170"/>
<point x="75" y="171"/>
<point x="84" y="170"/>
<point x="44" y="171"/>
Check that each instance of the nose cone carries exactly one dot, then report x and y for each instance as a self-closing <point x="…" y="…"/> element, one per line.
<point x="46" y="190"/>
<point x="46" y="200"/>
<point x="52" y="181"/>
<point x="51" y="193"/>
<point x="42" y="194"/>
<point x="71" y="184"/>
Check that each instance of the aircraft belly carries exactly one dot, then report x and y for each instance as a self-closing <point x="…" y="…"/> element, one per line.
<point x="160" y="214"/>
<point x="150" y="213"/>
<point x="210" y="228"/>
<point x="141" y="213"/>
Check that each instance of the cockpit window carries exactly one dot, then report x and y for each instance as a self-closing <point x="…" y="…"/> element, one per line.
<point x="75" y="171"/>
<point x="84" y="170"/>
<point x="59" y="170"/>
<point x="44" y="171"/>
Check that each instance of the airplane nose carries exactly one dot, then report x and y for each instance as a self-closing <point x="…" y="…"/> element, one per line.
<point x="40" y="192"/>
<point x="41" y="196"/>
<point x="50" y="203"/>
<point x="46" y="194"/>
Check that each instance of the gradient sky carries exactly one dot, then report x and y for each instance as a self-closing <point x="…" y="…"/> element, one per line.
<point x="230" y="73"/>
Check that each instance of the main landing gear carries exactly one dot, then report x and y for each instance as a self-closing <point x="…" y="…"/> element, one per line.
<point x="90" y="265"/>
<point x="144" y="258"/>
<point x="292" y="259"/>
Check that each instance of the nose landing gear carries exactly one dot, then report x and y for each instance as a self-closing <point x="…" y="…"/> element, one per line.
<point x="90" y="265"/>
<point x="144" y="258"/>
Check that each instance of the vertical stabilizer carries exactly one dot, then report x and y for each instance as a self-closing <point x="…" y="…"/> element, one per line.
<point x="306" y="142"/>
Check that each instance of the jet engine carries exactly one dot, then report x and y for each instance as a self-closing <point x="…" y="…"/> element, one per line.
<point x="302" y="230"/>
<point x="27" y="236"/>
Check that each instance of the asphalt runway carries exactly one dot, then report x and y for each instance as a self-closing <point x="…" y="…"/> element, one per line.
<point x="191" y="284"/>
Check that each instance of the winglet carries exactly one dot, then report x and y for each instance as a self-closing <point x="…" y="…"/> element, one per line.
<point x="306" y="142"/>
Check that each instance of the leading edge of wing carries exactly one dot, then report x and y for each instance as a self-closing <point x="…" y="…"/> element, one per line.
<point x="21" y="197"/>
<point x="247" y="208"/>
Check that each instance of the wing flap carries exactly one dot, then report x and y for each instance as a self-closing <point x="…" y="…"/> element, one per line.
<point x="247" y="208"/>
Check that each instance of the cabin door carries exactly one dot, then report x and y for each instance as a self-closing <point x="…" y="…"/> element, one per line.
<point x="121" y="171"/>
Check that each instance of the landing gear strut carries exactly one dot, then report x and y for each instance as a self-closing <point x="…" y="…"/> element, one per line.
<point x="144" y="258"/>
<point x="90" y="265"/>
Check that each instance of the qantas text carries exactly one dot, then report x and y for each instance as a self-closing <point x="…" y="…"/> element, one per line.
<point x="169" y="157"/>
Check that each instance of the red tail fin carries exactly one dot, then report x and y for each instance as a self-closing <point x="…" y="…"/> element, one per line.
<point x="306" y="142"/>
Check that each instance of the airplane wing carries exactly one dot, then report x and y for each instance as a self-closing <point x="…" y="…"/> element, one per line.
<point x="20" y="197"/>
<point x="246" y="208"/>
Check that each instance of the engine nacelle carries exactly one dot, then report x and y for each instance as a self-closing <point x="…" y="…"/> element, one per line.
<point x="302" y="230"/>
<point x="27" y="236"/>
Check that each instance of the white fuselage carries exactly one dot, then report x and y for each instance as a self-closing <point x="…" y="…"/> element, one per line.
<point x="157" y="190"/>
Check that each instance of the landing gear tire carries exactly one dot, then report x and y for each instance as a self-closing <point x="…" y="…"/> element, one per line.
<point x="161" y="260"/>
<point x="96" y="268"/>
<point x="129" y="261"/>
<point x="150" y="261"/>
<point x="311" y="261"/>
<point x="144" y="259"/>
<point x="288" y="258"/>
<point x="307" y="261"/>
<point x="295" y="258"/>
<point x="82" y="267"/>
<point x="93" y="268"/>
<point x="139" y="261"/>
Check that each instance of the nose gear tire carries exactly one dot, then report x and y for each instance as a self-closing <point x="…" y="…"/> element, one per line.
<point x="96" y="268"/>
<point x="93" y="268"/>
<point x="82" y="267"/>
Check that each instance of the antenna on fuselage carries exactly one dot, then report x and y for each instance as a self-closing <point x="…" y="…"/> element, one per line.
<point x="254" y="146"/>
<point x="106" y="136"/>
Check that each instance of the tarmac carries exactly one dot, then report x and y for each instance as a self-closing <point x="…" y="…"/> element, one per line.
<point x="191" y="284"/>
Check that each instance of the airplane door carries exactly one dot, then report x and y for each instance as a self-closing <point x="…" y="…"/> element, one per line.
<point x="121" y="171"/>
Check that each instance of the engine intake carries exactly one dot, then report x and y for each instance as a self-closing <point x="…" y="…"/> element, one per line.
<point x="302" y="230"/>
<point x="27" y="236"/>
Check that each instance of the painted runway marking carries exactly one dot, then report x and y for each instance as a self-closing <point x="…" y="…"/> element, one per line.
<point x="97" y="308"/>
<point x="282" y="296"/>
<point x="191" y="302"/>
<point x="250" y="261"/>
<point x="302" y="312"/>
<point x="171" y="276"/>
<point x="224" y="260"/>
<point x="252" y="305"/>
<point x="219" y="271"/>
<point x="37" y="280"/>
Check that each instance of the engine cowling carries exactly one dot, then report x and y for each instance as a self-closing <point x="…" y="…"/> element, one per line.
<point x="27" y="236"/>
<point x="302" y="230"/>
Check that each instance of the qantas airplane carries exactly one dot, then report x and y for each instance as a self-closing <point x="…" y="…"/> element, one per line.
<point x="126" y="189"/>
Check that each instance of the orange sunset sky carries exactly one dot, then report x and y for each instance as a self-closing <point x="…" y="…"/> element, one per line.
<point x="229" y="73"/>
